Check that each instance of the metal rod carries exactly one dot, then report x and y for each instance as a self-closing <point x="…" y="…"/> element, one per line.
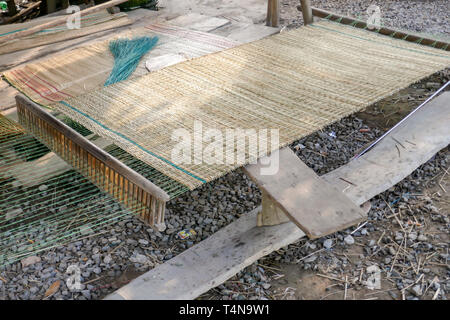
<point x="401" y="121"/>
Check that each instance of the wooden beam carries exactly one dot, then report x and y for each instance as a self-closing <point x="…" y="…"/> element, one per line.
<point x="383" y="30"/>
<point x="273" y="13"/>
<point x="306" y="12"/>
<point x="58" y="21"/>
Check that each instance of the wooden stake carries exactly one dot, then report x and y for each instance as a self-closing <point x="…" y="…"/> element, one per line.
<point x="271" y="214"/>
<point x="306" y="11"/>
<point x="273" y="13"/>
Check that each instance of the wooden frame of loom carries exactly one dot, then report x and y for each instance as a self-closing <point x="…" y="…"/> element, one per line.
<point x="109" y="174"/>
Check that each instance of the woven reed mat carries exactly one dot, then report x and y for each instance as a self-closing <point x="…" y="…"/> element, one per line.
<point x="84" y="69"/>
<point x="298" y="82"/>
<point x="93" y="23"/>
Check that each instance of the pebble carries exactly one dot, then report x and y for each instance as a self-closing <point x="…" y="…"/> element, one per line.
<point x="107" y="259"/>
<point x="422" y="238"/>
<point x="349" y="240"/>
<point x="143" y="242"/>
<point x="86" y="294"/>
<point x="417" y="290"/>
<point x="28" y="261"/>
<point x="328" y="243"/>
<point x="140" y="258"/>
<point x="13" y="213"/>
<point x="412" y="236"/>
<point x="97" y="270"/>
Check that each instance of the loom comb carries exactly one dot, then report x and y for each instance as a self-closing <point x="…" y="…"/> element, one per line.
<point x="135" y="192"/>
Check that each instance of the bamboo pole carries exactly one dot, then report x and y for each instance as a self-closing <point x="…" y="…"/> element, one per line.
<point x="59" y="21"/>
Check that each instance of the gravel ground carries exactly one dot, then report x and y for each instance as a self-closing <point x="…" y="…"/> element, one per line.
<point x="113" y="257"/>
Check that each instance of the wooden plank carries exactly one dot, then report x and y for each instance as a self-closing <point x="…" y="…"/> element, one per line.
<point x="403" y="150"/>
<point x="7" y="94"/>
<point x="229" y="250"/>
<point x="45" y="167"/>
<point x="211" y="262"/>
<point x="313" y="205"/>
<point x="162" y="61"/>
<point x="92" y="149"/>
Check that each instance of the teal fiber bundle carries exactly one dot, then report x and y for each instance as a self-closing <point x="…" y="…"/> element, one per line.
<point x="127" y="54"/>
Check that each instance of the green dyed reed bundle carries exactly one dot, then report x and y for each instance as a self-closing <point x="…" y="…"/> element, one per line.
<point x="127" y="53"/>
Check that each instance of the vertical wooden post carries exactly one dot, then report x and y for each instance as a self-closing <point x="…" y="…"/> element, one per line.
<point x="12" y="10"/>
<point x="65" y="4"/>
<point x="306" y="11"/>
<point x="51" y="6"/>
<point x="273" y="13"/>
<point x="271" y="214"/>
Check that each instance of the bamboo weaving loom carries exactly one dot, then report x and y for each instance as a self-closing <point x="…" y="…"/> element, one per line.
<point x="131" y="188"/>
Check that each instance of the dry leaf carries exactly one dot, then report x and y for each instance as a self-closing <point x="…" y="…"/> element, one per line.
<point x="52" y="289"/>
